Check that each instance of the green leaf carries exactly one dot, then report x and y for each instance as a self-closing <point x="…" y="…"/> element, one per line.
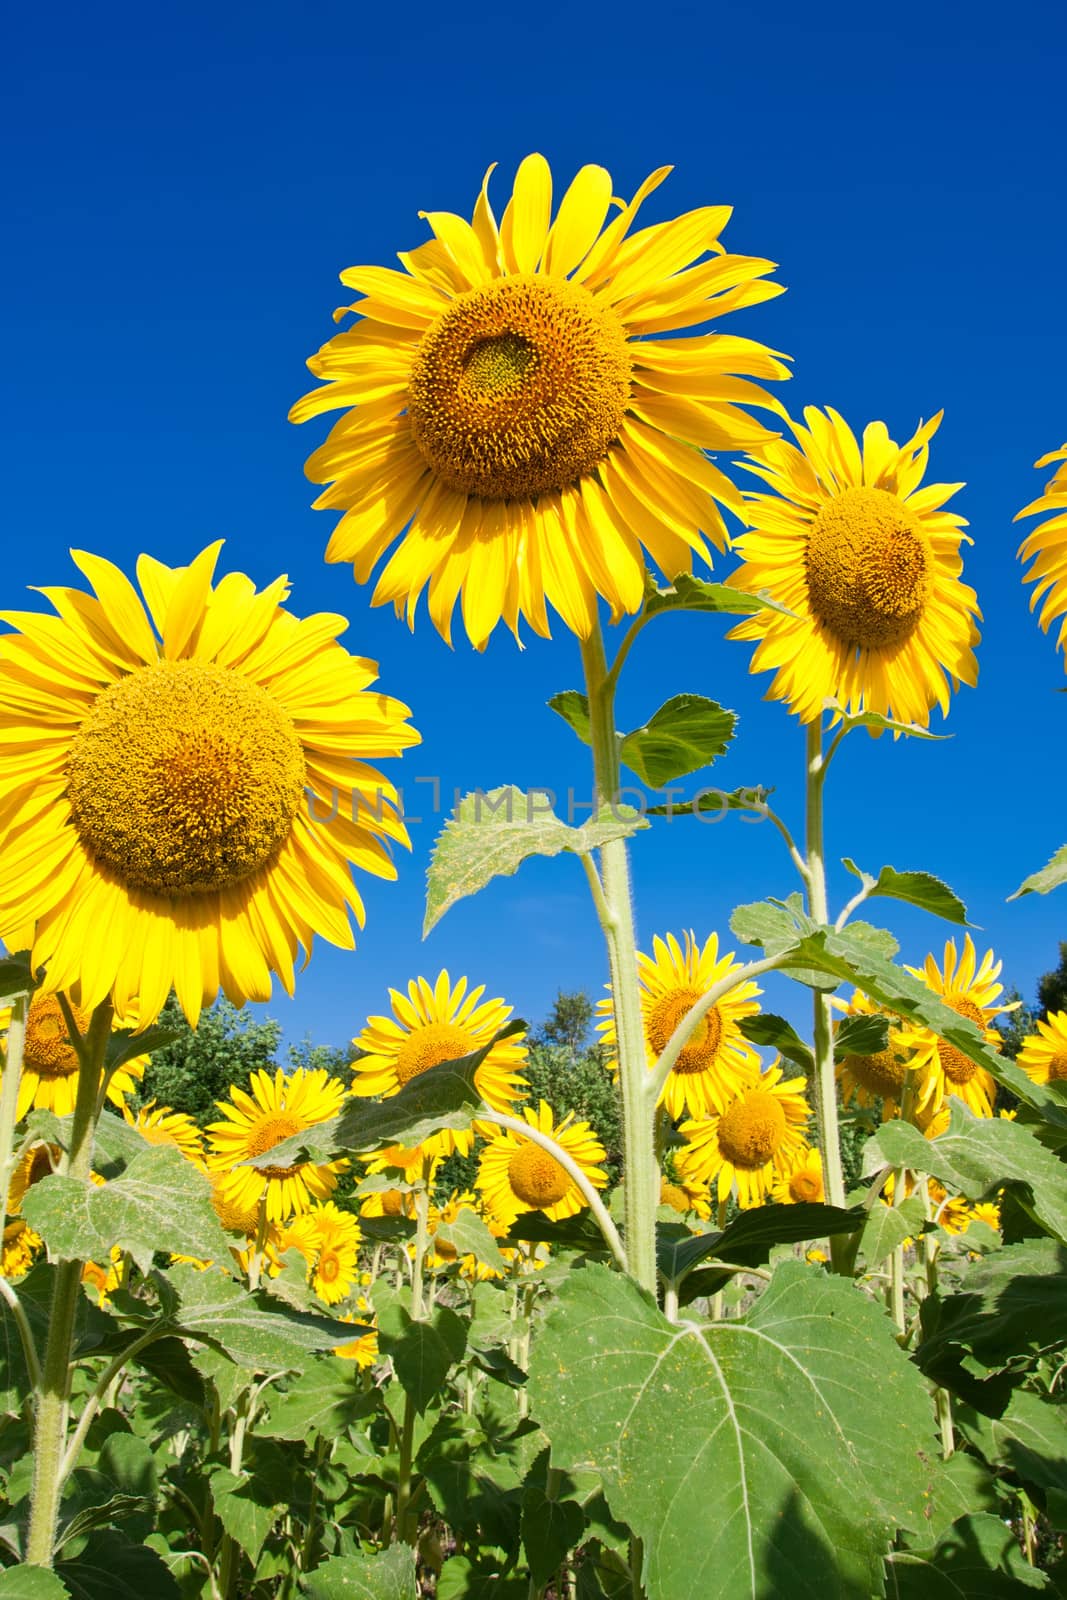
<point x="1010" y="1304"/>
<point x="116" y="1144"/>
<point x="112" y="1567"/>
<point x="256" y="1332"/>
<point x="696" y="594"/>
<point x="573" y="707"/>
<point x="125" y="1045"/>
<point x="963" y="1485"/>
<point x="551" y="1526"/>
<point x="31" y="1583"/>
<point x="977" y="1559"/>
<point x="773" y="925"/>
<point x="422" y="1351"/>
<point x="1048" y="878"/>
<point x="1030" y="1438"/>
<point x="469" y="1236"/>
<point x="662" y="1410"/>
<point x="579" y="1232"/>
<point x="246" y="1507"/>
<point x="917" y="889"/>
<point x="460" y="1579"/>
<point x="977" y="1156"/>
<point x="888" y="1226"/>
<point x="775" y="1033"/>
<point x="861" y="1036"/>
<point x="747" y="1241"/>
<point x="162" y="1202"/>
<point x="491" y="834"/>
<point x="687" y="733"/>
<point x="387" y="1575"/>
<point x="879" y="724"/>
<point x="15" y="979"/>
<point x="325" y="1399"/>
<point x="715" y="802"/>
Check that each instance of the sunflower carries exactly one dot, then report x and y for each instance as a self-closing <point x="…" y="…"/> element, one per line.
<point x="161" y="1125"/>
<point x="1047" y="547"/>
<point x="442" y="1252"/>
<point x="511" y="417"/>
<point x="800" y="1179"/>
<point x="20" y="1247"/>
<point x="881" y="1076"/>
<point x="153" y="825"/>
<point x="328" y="1239"/>
<point x="50" y="1069"/>
<point x="685" y="1198"/>
<point x="716" y="1060"/>
<point x="38" y="1162"/>
<point x="867" y="564"/>
<point x="1043" y="1055"/>
<point x="429" y="1025"/>
<point x="364" y="1349"/>
<point x="515" y="1175"/>
<point x="748" y="1143"/>
<point x="106" y="1279"/>
<point x="255" y="1122"/>
<point x="970" y="989"/>
<point x="388" y="1202"/>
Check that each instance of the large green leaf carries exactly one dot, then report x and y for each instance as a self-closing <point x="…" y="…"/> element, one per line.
<point x="325" y="1399"/>
<point x="491" y="834"/>
<point x="422" y="1351"/>
<point x="1008" y="1305"/>
<point x="749" y="1240"/>
<point x="687" y="593"/>
<point x="687" y="733"/>
<point x="469" y="1235"/>
<point x="31" y="1583"/>
<point x="1050" y="877"/>
<point x="977" y="1559"/>
<point x="387" y="1575"/>
<point x="112" y="1567"/>
<point x="807" y="1419"/>
<point x="255" y="1331"/>
<point x="978" y="1156"/>
<point x="916" y="888"/>
<point x="1030" y="1438"/>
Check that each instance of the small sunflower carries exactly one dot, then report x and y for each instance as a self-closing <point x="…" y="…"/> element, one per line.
<point x="442" y="1252"/>
<point x="716" y="1060"/>
<point x="255" y="1122"/>
<point x="746" y="1144"/>
<point x="511" y="416"/>
<point x="106" y="1279"/>
<point x="364" y="1349"/>
<point x="328" y="1239"/>
<point x="685" y="1198"/>
<point x="388" y="1202"/>
<point x="878" y="1078"/>
<point x="800" y="1180"/>
<point x="970" y="989"/>
<point x="20" y="1248"/>
<point x="50" y="1066"/>
<point x="154" y="828"/>
<point x="38" y="1162"/>
<point x="161" y="1125"/>
<point x="432" y="1024"/>
<point x="1047" y="547"/>
<point x="1043" y="1055"/>
<point x="868" y="565"/>
<point x="515" y="1175"/>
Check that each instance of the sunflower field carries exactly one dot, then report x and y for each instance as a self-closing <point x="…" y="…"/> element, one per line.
<point x="813" y="1342"/>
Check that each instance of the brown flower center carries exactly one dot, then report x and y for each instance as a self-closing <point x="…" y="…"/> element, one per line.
<point x="48" y="1050"/>
<point x="428" y="1046"/>
<point x="805" y="1184"/>
<point x="271" y="1131"/>
<point x="1057" y="1069"/>
<point x="751" y="1130"/>
<point x="867" y="567"/>
<point x="957" y="1067"/>
<point x="881" y="1074"/>
<point x="700" y="1049"/>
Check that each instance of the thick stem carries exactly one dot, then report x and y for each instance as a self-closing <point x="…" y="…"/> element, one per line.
<point x="617" y="921"/>
<point x="825" y="1084"/>
<point x="49" y="1437"/>
<point x="9" y="1090"/>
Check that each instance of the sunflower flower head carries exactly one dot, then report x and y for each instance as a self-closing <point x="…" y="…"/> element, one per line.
<point x="800" y="1180"/>
<point x="161" y="1125"/>
<point x="512" y="415"/>
<point x="1043" y="1055"/>
<point x="328" y="1239"/>
<point x="968" y="987"/>
<point x="515" y="1175"/>
<point x="867" y="563"/>
<point x="1046" y="547"/>
<point x="270" y="1111"/>
<point x="878" y="1078"/>
<point x="50" y="1067"/>
<point x="744" y="1147"/>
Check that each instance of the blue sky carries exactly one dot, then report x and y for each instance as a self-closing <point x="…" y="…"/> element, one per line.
<point x="189" y="181"/>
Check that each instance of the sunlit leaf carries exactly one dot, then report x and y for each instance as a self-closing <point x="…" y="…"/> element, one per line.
<point x="917" y="889"/>
<point x="1050" y="877"/>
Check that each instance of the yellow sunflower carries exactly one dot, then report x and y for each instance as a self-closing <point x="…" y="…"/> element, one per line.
<point x="429" y="1025"/>
<point x="1047" y="547"/>
<point x="970" y="989"/>
<point x="20" y="1247"/>
<point x="161" y="1125"/>
<point x="745" y="1146"/>
<point x="879" y="1077"/>
<point x="388" y="1202"/>
<point x="685" y="1198"/>
<point x="328" y="1239"/>
<point x="1043" y="1055"/>
<point x="38" y="1162"/>
<point x="255" y="1122"/>
<point x="515" y="1175"/>
<point x="867" y="563"/>
<point x="512" y="418"/>
<point x="49" y="1079"/>
<point x="153" y="822"/>
<point x="442" y="1252"/>
<point x="364" y="1349"/>
<point x="717" y="1060"/>
<point x="800" y="1180"/>
<point x="105" y="1279"/>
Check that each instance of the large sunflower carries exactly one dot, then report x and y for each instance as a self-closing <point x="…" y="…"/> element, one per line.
<point x="515" y="1175"/>
<point x="254" y="1123"/>
<point x="432" y="1024"/>
<point x="757" y="1136"/>
<point x="969" y="988"/>
<point x="1047" y="547"/>
<point x="1043" y="1055"/>
<point x="153" y="824"/>
<point x="511" y="416"/>
<point x="867" y="563"/>
<point x="716" y="1061"/>
<point x="50" y="1068"/>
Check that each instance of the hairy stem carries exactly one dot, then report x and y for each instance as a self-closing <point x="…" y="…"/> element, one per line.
<point x="825" y="1084"/>
<point x="9" y="1090"/>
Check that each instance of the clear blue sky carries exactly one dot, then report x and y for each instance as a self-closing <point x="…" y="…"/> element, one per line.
<point x="186" y="182"/>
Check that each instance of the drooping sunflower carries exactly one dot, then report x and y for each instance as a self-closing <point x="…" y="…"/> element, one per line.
<point x="50" y="1068"/>
<point x="432" y="1024"/>
<point x="800" y="1179"/>
<point x="512" y="417"/>
<point x="744" y="1147"/>
<point x="970" y="989"/>
<point x="161" y="1125"/>
<point x="1043" y="1055"/>
<point x="19" y="1249"/>
<point x="515" y="1175"/>
<point x="880" y="1076"/>
<point x="1046" y="546"/>
<point x="153" y="824"/>
<point x="255" y="1122"/>
<point x="867" y="563"/>
<point x="716" y="1060"/>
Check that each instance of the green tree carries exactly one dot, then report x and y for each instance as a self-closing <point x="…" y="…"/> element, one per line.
<point x="571" y="1073"/>
<point x="1052" y="987"/>
<point x="200" y="1065"/>
<point x="337" y="1059"/>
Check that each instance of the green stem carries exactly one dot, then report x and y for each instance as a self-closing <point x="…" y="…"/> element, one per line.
<point x="403" y="1477"/>
<point x="617" y="923"/>
<point x="50" y="1431"/>
<point x="9" y="1090"/>
<point x="825" y="1083"/>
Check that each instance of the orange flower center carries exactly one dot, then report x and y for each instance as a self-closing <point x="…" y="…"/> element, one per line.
<point x="957" y="1067"/>
<point x="673" y="1195"/>
<point x="48" y="1050"/>
<point x="1057" y="1069"/>
<point x="805" y="1184"/>
<point x="519" y="388"/>
<point x="867" y="569"/>
<point x="881" y="1074"/>
<point x="700" y="1049"/>
<point x="536" y="1177"/>
<point x="429" y="1045"/>
<point x="271" y="1131"/>
<point x="751" y="1130"/>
